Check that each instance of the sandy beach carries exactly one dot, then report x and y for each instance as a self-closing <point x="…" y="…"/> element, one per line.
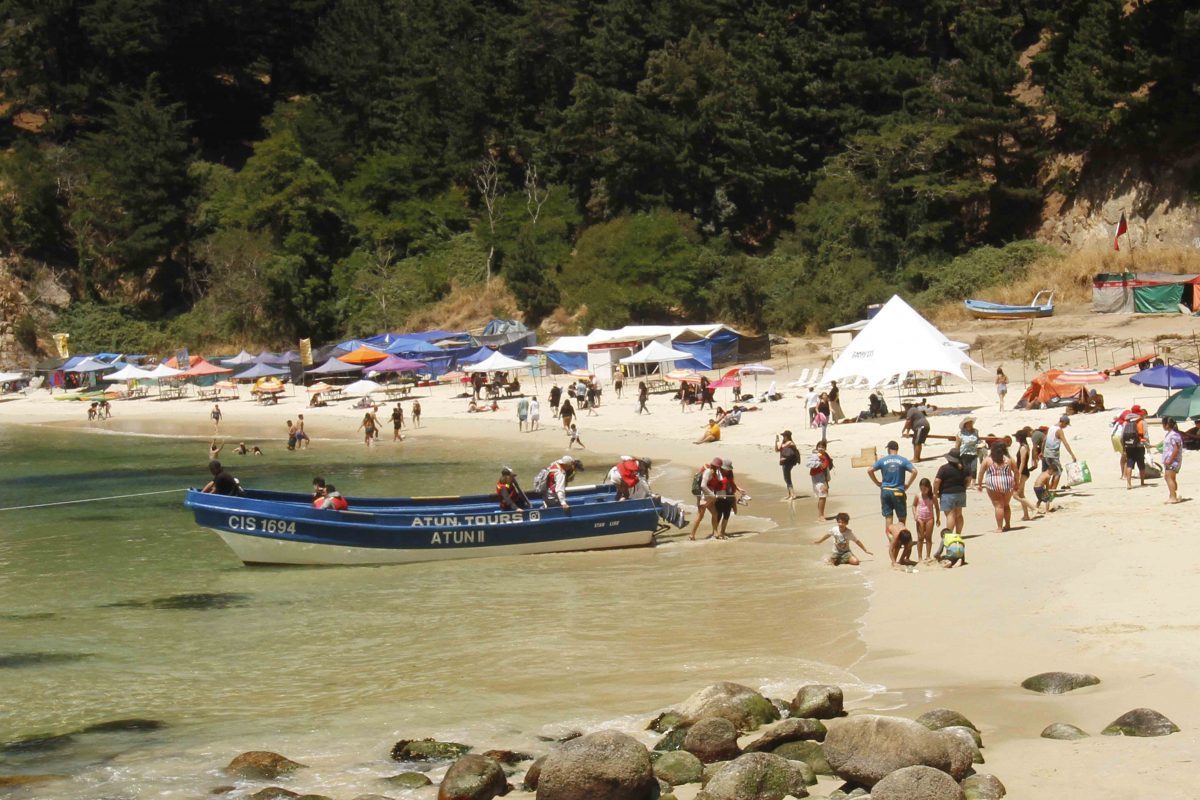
<point x="1104" y="585"/>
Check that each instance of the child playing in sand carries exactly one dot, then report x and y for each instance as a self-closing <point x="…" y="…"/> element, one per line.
<point x="926" y="510"/>
<point x="573" y="437"/>
<point x="842" y="537"/>
<point x="952" y="550"/>
<point x="900" y="545"/>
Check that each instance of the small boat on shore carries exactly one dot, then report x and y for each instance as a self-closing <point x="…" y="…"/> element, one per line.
<point x="270" y="532"/>
<point x="1042" y="305"/>
<point x="385" y="504"/>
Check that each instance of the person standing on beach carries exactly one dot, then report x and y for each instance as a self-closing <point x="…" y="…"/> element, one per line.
<point x="789" y="457"/>
<point x="566" y="413"/>
<point x="917" y="421"/>
<point x="1023" y="467"/>
<point x="416" y="413"/>
<point x="619" y="380"/>
<point x="706" y="396"/>
<point x="553" y="398"/>
<point x="643" y="396"/>
<point x="820" y="471"/>
<point x="215" y="414"/>
<point x="967" y="444"/>
<point x="811" y="402"/>
<point x="1172" y="456"/>
<point x="704" y="489"/>
<point x="1056" y="439"/>
<point x="835" y="403"/>
<point x="291" y="442"/>
<point x="896" y="474"/>
<point x="522" y="413"/>
<point x="367" y="426"/>
<point x="950" y="488"/>
<point x="302" y="439"/>
<point x="535" y="414"/>
<point x="1133" y="444"/>
<point x="1000" y="481"/>
<point x="1001" y="385"/>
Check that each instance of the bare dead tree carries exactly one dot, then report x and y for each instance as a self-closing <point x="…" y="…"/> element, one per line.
<point x="535" y="195"/>
<point x="487" y="180"/>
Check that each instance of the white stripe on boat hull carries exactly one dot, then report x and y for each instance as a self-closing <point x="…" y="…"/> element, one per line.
<point x="265" y="550"/>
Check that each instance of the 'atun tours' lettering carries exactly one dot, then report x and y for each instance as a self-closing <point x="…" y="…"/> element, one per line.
<point x="471" y="519"/>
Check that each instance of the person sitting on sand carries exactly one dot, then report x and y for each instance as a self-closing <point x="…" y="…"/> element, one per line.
<point x="952" y="550"/>
<point x="1191" y="437"/>
<point x="316" y="401"/>
<point x="712" y="433"/>
<point x="472" y="407"/>
<point x="842" y="538"/>
<point x="222" y="482"/>
<point x="900" y="545"/>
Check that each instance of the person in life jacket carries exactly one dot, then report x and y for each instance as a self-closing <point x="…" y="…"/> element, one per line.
<point x="332" y="499"/>
<point x="629" y="476"/>
<point x="952" y="550"/>
<point x="556" y="478"/>
<point x="508" y="493"/>
<point x="1133" y="445"/>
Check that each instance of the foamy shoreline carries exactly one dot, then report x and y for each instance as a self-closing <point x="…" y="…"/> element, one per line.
<point x="1101" y="586"/>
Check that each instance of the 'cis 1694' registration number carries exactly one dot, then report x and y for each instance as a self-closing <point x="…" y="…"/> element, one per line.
<point x="249" y="524"/>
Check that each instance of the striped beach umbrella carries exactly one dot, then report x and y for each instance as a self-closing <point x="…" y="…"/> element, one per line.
<point x="1082" y="375"/>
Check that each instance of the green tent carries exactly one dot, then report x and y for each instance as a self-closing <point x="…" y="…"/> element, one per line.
<point x="1160" y="299"/>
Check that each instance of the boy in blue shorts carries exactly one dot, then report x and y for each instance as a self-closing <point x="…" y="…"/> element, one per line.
<point x="896" y="474"/>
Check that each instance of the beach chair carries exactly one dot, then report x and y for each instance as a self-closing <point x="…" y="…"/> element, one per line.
<point x="802" y="380"/>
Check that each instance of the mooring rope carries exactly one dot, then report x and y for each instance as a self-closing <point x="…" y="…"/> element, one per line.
<point x="89" y="500"/>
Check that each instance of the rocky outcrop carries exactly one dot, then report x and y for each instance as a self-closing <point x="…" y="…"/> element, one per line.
<point x="983" y="787"/>
<point x="818" y="701"/>
<point x="427" y="750"/>
<point x="755" y="776"/>
<point x="673" y="739"/>
<point x="530" y="781"/>
<point x="917" y="783"/>
<point x="262" y="765"/>
<point x="789" y="730"/>
<point x="863" y="749"/>
<point x="940" y="718"/>
<point x="712" y="739"/>
<point x="1141" y="722"/>
<point x="964" y="741"/>
<point x="678" y="768"/>
<point x="473" y="777"/>
<point x="741" y="705"/>
<point x="1058" y="682"/>
<point x="508" y="758"/>
<point x="607" y="765"/>
<point x="1061" y="730"/>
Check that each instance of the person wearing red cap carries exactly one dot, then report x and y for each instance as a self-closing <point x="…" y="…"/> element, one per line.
<point x="1133" y="443"/>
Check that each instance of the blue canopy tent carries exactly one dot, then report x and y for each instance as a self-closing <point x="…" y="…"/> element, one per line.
<point x="709" y="353"/>
<point x="411" y="348"/>
<point x="479" y="355"/>
<point x="1166" y="377"/>
<point x="568" y="362"/>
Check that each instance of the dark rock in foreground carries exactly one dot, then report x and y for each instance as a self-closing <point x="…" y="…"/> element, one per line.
<point x="810" y="753"/>
<point x="273" y="793"/>
<point x="863" y="749"/>
<point x="262" y="765"/>
<point x="755" y="776"/>
<point x="1058" y="682"/>
<point x="712" y="739"/>
<point x="983" y="787"/>
<point x="37" y="743"/>
<point x="678" y="768"/>
<point x="917" y="783"/>
<point x="188" y="602"/>
<point x="530" y="782"/>
<point x="507" y="757"/>
<point x="473" y="777"/>
<point x="940" y="718"/>
<point x="1141" y="722"/>
<point x="818" y="701"/>
<point x="673" y="740"/>
<point x="789" y="730"/>
<point x="664" y="722"/>
<point x="1061" y="730"/>
<point x="606" y="765"/>
<point x="427" y="750"/>
<point x="18" y="781"/>
<point x="741" y="705"/>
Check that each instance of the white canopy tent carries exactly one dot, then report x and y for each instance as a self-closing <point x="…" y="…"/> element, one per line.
<point x="497" y="362"/>
<point x="163" y="371"/>
<point x="897" y="341"/>
<point x="130" y="373"/>
<point x="363" y="386"/>
<point x="656" y="353"/>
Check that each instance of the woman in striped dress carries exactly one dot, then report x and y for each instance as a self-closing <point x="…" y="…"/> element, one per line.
<point x="1000" y="481"/>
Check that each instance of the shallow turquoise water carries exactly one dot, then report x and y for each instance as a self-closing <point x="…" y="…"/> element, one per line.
<point x="125" y="609"/>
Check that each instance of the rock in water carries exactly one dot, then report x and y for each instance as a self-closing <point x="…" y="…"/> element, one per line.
<point x="274" y="793"/>
<point x="673" y="740"/>
<point x="606" y="765"/>
<point x="262" y="765"/>
<point x="712" y="739"/>
<point x="790" y="730"/>
<point x="427" y="750"/>
<point x="508" y="758"/>
<point x="473" y="777"/>
<point x="664" y="722"/>
<point x="944" y="718"/>
<point x="133" y="725"/>
<point x="1058" y="682"/>
<point x="863" y="749"/>
<point x="1141" y="722"/>
<point x="741" y="705"/>
<point x="530" y="781"/>
<point x="755" y="776"/>
<point x="917" y="783"/>
<point x="810" y="753"/>
<point x="409" y="780"/>
<point x="371" y="797"/>
<point x="818" y="701"/>
<point x="678" y="768"/>
<point x="1061" y="730"/>
<point x="983" y="787"/>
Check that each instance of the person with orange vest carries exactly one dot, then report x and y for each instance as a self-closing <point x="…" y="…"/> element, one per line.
<point x="331" y="499"/>
<point x="552" y="482"/>
<point x="508" y="493"/>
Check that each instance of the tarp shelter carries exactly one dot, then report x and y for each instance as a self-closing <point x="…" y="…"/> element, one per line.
<point x="334" y="366"/>
<point x="261" y="370"/>
<point x="897" y="341"/>
<point x="202" y="368"/>
<point x="395" y="364"/>
<point x="497" y="362"/>
<point x="1166" y="377"/>
<point x="482" y="354"/>
<point x="1145" y="292"/>
<point x="730" y="380"/>
<point x="241" y="358"/>
<point x="1046" y="388"/>
<point x="707" y="352"/>
<point x="130" y="373"/>
<point x="411" y="347"/>
<point x="706" y="346"/>
<point x="363" y="355"/>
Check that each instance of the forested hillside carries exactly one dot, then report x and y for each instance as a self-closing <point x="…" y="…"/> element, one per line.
<point x="255" y="170"/>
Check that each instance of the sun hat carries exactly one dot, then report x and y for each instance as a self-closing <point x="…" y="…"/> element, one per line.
<point x="953" y="456"/>
<point x="716" y="462"/>
<point x="506" y="470"/>
<point x="786" y="434"/>
<point x="728" y="464"/>
<point x="965" y="421"/>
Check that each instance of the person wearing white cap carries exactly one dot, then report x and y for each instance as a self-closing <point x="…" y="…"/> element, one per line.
<point x="552" y="481"/>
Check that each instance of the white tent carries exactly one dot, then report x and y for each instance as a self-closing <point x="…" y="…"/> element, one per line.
<point x="163" y="371"/>
<point x="361" y="387"/>
<point x="5" y="377"/>
<point x="897" y="341"/>
<point x="497" y="362"/>
<point x="656" y="353"/>
<point x="130" y="373"/>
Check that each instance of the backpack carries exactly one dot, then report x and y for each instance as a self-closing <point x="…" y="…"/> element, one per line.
<point x="696" y="479"/>
<point x="1129" y="434"/>
<point x="541" y="481"/>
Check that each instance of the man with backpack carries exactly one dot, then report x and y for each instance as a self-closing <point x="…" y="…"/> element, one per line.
<point x="1133" y="443"/>
<point x="551" y="482"/>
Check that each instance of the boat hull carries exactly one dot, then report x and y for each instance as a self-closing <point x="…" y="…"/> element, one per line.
<point x="983" y="310"/>
<point x="264" y="532"/>
<point x="400" y="504"/>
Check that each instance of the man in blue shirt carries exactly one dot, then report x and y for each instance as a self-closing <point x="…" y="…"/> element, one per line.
<point x="895" y="474"/>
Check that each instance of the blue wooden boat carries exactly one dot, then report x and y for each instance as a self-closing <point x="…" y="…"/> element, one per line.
<point x="446" y="501"/>
<point x="1042" y="305"/>
<point x="261" y="531"/>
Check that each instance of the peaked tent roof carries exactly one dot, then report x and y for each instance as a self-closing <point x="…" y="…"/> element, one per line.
<point x="897" y="341"/>
<point x="363" y="355"/>
<point x="263" y="370"/>
<point x="396" y="364"/>
<point x="90" y="364"/>
<point x="241" y="358"/>
<point x="497" y="361"/>
<point x="409" y="346"/>
<point x="656" y="353"/>
<point x="164" y="371"/>
<point x="482" y="354"/>
<point x="129" y="373"/>
<point x="202" y="368"/>
<point x="334" y="366"/>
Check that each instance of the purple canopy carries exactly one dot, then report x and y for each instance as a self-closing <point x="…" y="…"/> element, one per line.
<point x="396" y="364"/>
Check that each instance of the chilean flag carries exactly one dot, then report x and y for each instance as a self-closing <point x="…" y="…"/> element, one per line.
<point x="1122" y="226"/>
